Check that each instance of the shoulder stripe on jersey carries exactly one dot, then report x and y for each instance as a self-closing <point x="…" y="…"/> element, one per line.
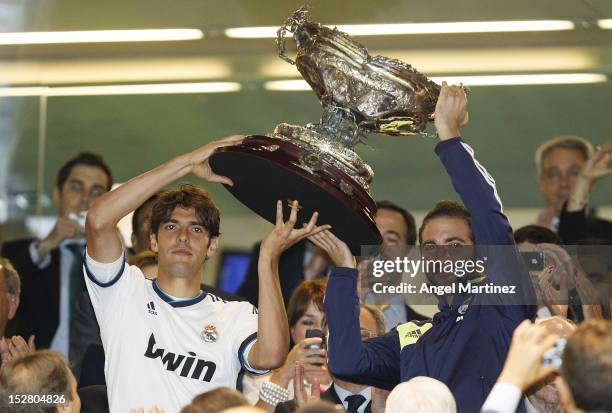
<point x="93" y="278"/>
<point x="215" y="298"/>
<point x="488" y="178"/>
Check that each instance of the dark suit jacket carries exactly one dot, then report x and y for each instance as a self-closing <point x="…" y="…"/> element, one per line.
<point x="330" y="395"/>
<point x="290" y="269"/>
<point x="38" y="312"/>
<point x="86" y="351"/>
<point x="94" y="399"/>
<point x="576" y="226"/>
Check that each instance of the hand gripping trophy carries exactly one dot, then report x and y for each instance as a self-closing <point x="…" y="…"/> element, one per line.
<point x="316" y="164"/>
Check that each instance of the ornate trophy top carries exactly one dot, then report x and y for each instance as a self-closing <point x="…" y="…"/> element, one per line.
<point x="358" y="92"/>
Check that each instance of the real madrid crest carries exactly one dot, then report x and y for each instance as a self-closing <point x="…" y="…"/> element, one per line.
<point x="209" y="334"/>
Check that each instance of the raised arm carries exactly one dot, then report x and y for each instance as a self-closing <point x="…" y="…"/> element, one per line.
<point x="470" y="179"/>
<point x="573" y="223"/>
<point x="376" y="361"/>
<point x="103" y="242"/>
<point x="490" y="227"/>
<point x="272" y="345"/>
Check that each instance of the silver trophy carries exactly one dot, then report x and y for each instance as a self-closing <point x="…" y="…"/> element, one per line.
<point x="316" y="164"/>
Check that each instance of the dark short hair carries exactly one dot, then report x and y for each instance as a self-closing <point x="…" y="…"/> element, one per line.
<point x="214" y="401"/>
<point x="39" y="372"/>
<point x="143" y="259"/>
<point x="186" y="196"/>
<point x="536" y="234"/>
<point x="587" y="365"/>
<point x="411" y="233"/>
<point x="83" y="158"/>
<point x="308" y="291"/>
<point x="448" y="209"/>
<point x="137" y="211"/>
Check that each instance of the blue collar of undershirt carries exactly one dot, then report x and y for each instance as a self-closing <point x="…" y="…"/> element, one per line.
<point x="177" y="301"/>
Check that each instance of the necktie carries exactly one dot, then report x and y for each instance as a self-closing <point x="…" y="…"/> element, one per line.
<point x="354" y="401"/>
<point x="76" y="283"/>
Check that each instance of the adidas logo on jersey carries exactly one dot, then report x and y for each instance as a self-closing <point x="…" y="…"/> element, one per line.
<point x="186" y="366"/>
<point x="151" y="308"/>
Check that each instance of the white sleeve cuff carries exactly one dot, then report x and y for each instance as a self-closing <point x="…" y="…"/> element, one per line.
<point x="245" y="361"/>
<point x="36" y="259"/>
<point x="503" y="398"/>
<point x="104" y="272"/>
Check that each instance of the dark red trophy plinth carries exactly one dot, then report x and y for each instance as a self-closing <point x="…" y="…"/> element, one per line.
<point x="265" y="169"/>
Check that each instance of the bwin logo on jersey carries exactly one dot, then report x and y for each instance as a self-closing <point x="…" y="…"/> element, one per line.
<point x="151" y="308"/>
<point x="186" y="366"/>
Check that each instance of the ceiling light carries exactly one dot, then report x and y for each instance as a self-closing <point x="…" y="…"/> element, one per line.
<point x="95" y="71"/>
<point x="531" y="79"/>
<point x="472" y="61"/>
<point x="456" y="27"/>
<point x="287" y="85"/>
<point x="605" y="24"/>
<point x="493" y="80"/>
<point x="100" y="36"/>
<point x="419" y="28"/>
<point x="143" y="89"/>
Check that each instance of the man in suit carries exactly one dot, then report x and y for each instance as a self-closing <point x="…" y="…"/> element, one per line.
<point x="352" y="397"/>
<point x="51" y="268"/>
<point x="398" y="230"/>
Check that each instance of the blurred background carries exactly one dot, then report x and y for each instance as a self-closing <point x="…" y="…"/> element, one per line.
<point x="220" y="74"/>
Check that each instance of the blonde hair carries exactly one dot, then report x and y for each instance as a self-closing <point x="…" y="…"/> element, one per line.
<point x="426" y="395"/>
<point x="11" y="277"/>
<point x="566" y="142"/>
<point x="39" y="372"/>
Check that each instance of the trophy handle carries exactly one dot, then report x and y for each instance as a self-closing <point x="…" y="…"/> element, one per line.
<point x="290" y="25"/>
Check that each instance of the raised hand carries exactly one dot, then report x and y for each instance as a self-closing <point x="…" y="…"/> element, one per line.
<point x="199" y="159"/>
<point x="301" y="397"/>
<point x="338" y="251"/>
<point x="284" y="235"/>
<point x="65" y="228"/>
<point x="597" y="166"/>
<point x="523" y="366"/>
<point x="451" y="111"/>
<point x="14" y="347"/>
<point x="600" y="164"/>
<point x="556" y="300"/>
<point x="311" y="360"/>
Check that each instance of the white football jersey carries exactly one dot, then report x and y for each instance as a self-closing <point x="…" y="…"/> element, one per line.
<point x="162" y="351"/>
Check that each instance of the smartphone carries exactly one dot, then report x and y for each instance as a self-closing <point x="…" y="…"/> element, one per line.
<point x="316" y="333"/>
<point x="79" y="219"/>
<point x="533" y="260"/>
<point x="552" y="356"/>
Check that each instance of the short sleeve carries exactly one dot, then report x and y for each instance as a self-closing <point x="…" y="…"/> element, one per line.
<point x="108" y="284"/>
<point x="246" y="335"/>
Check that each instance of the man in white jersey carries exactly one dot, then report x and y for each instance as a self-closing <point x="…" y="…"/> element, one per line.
<point x="165" y="340"/>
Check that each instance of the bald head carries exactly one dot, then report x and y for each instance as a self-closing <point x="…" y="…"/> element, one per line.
<point x="558" y="325"/>
<point x="10" y="288"/>
<point x="426" y="395"/>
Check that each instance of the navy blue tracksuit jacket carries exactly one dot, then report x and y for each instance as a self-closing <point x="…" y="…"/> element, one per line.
<point x="466" y="343"/>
